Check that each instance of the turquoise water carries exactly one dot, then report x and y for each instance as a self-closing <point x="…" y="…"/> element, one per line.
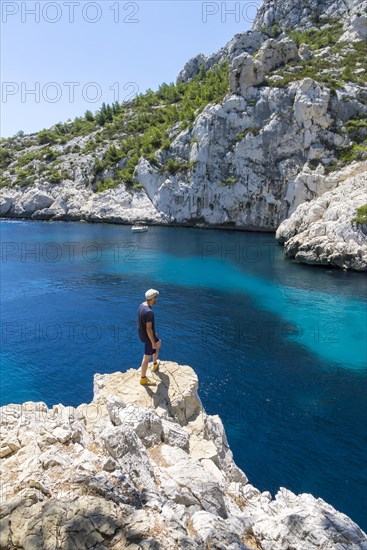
<point x="279" y="348"/>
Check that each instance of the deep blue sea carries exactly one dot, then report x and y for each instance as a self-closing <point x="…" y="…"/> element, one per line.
<point x="279" y="348"/>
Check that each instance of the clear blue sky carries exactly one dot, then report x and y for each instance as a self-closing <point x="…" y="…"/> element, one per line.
<point x="123" y="45"/>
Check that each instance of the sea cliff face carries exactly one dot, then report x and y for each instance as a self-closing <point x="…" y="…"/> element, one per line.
<point x="145" y="468"/>
<point x="321" y="232"/>
<point x="293" y="117"/>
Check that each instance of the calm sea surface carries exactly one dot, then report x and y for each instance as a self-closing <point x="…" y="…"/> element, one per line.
<point x="279" y="348"/>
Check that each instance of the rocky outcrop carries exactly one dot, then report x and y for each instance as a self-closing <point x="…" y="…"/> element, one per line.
<point x="289" y="14"/>
<point x="355" y="28"/>
<point x="274" y="53"/>
<point x="192" y="67"/>
<point x="67" y="201"/>
<point x="251" y="155"/>
<point x="322" y="231"/>
<point x="245" y="71"/>
<point x="246" y="42"/>
<point x="145" y="468"/>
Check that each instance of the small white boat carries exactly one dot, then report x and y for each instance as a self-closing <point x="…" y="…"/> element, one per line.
<point x="139" y="227"/>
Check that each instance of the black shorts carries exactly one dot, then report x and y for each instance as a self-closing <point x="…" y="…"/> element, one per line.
<point x="148" y="348"/>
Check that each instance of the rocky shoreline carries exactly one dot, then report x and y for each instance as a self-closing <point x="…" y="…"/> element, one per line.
<point x="187" y="225"/>
<point x="322" y="231"/>
<point x="318" y="232"/>
<point x="145" y="468"/>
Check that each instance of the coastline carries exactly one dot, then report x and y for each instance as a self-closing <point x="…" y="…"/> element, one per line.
<point x="198" y="225"/>
<point x="189" y="225"/>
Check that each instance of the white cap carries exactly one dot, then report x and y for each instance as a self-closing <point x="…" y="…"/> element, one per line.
<point x="151" y="293"/>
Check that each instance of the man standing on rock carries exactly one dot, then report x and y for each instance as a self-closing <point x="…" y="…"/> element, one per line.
<point x="147" y="334"/>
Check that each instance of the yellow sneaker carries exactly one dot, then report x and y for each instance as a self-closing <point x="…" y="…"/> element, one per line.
<point x="144" y="381"/>
<point x="155" y="366"/>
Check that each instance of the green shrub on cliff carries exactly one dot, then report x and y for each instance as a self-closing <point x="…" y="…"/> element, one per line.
<point x="47" y="137"/>
<point x="106" y="184"/>
<point x="5" y="182"/>
<point x="318" y="38"/>
<point x="150" y="115"/>
<point x="5" y="157"/>
<point x="357" y="129"/>
<point x="354" y="152"/>
<point x="254" y="131"/>
<point x="112" y="156"/>
<point x="173" y="166"/>
<point x="361" y="217"/>
<point x="24" y="177"/>
<point x="29" y="157"/>
<point x="49" y="154"/>
<point x="55" y="177"/>
<point x="339" y="66"/>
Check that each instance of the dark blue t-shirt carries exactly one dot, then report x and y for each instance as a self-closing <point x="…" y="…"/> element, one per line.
<point x="145" y="315"/>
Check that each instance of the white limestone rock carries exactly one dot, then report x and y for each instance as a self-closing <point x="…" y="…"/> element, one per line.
<point x="191" y="68"/>
<point x="34" y="200"/>
<point x="355" y="28"/>
<point x="304" y="52"/>
<point x="224" y="457"/>
<point x="189" y="473"/>
<point x="304" y="522"/>
<point x="174" y="435"/>
<point x="245" y="71"/>
<point x="62" y="435"/>
<point x="146" y="424"/>
<point x="292" y="13"/>
<point x="322" y="232"/>
<point x="124" y="472"/>
<point x="274" y="53"/>
<point x="9" y="446"/>
<point x="220" y="533"/>
<point x="5" y="205"/>
<point x="310" y="106"/>
<point x="249" y="42"/>
<point x="68" y="202"/>
<point x="249" y="160"/>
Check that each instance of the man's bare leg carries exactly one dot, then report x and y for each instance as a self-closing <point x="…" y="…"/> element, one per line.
<point x="155" y="355"/>
<point x="144" y="365"/>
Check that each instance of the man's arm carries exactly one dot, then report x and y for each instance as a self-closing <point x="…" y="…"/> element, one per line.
<point x="149" y="327"/>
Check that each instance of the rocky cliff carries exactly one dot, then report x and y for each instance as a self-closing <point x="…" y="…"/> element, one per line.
<point x="321" y="232"/>
<point x="145" y="468"/>
<point x="285" y="109"/>
<point x="291" y="13"/>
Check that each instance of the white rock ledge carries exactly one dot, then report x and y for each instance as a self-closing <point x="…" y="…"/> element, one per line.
<point x="322" y="231"/>
<point x="145" y="468"/>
